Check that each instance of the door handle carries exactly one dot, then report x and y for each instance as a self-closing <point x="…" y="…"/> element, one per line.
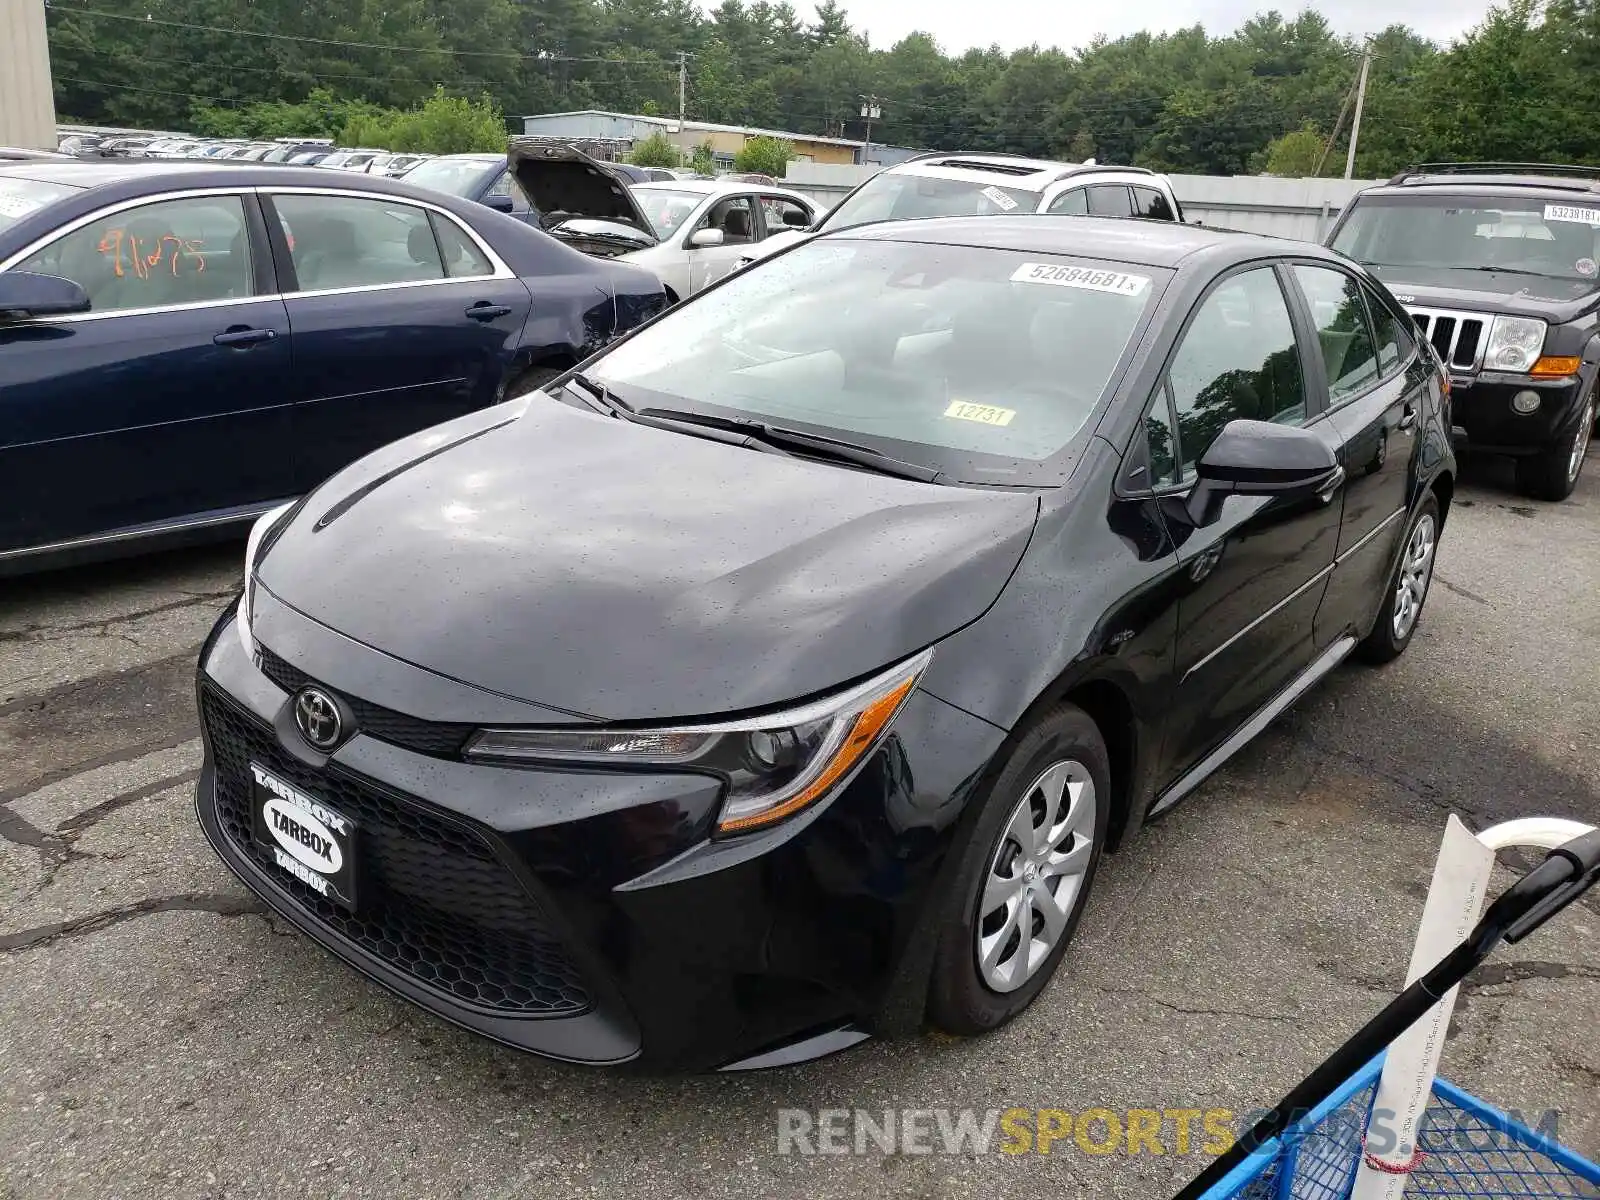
<point x="1408" y="418"/>
<point x="243" y="337"/>
<point x="484" y="311"/>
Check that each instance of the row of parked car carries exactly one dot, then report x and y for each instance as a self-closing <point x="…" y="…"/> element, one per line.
<point x="309" y="152"/>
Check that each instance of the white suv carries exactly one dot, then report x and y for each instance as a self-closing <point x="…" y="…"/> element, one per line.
<point x="961" y="184"/>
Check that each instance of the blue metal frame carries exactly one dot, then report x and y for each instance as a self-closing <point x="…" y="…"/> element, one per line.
<point x="1530" y="1140"/>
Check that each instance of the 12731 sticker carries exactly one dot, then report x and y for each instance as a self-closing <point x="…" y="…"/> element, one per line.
<point x="983" y="414"/>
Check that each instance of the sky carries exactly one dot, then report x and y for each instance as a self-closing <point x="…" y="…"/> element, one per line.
<point x="961" y="24"/>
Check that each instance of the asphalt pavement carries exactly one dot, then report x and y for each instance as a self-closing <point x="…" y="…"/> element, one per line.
<point x="161" y="1036"/>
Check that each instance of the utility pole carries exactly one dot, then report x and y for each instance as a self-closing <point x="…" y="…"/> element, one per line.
<point x="1361" y="97"/>
<point x="683" y="84"/>
<point x="871" y="109"/>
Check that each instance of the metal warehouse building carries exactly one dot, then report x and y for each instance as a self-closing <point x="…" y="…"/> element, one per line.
<point x="726" y="140"/>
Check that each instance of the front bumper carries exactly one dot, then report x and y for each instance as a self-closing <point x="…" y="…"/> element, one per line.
<point x="586" y="915"/>
<point x="1481" y="405"/>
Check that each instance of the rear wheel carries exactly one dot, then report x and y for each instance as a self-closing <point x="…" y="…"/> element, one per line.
<point x="1024" y="875"/>
<point x="1408" y="588"/>
<point x="1553" y="474"/>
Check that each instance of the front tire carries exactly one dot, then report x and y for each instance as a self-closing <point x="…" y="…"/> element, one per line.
<point x="1553" y="474"/>
<point x="1024" y="875"/>
<point x="1408" y="587"/>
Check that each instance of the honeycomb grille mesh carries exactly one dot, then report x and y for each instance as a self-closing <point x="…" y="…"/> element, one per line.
<point x="434" y="901"/>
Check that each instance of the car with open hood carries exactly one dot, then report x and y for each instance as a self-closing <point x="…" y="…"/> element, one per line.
<point x="1497" y="264"/>
<point x="690" y="232"/>
<point x="780" y="675"/>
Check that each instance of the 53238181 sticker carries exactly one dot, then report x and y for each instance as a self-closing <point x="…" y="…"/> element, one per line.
<point x="1088" y="278"/>
<point x="984" y="414"/>
<point x="1000" y="199"/>
<point x="1575" y="213"/>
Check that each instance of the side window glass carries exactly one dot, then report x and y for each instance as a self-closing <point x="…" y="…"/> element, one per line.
<point x="1151" y="205"/>
<point x="1162" y="438"/>
<point x="1342" y="331"/>
<point x="1109" y="200"/>
<point x="462" y="257"/>
<point x="1238" y="360"/>
<point x="166" y="253"/>
<point x="781" y="213"/>
<point x="1074" y="203"/>
<point x="343" y="241"/>
<point x="1391" y="331"/>
<point x="735" y="217"/>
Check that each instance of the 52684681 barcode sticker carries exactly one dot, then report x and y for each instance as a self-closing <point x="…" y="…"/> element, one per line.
<point x="1087" y="278"/>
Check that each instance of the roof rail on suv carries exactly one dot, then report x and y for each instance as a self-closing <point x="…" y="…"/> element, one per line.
<point x="1419" y="172"/>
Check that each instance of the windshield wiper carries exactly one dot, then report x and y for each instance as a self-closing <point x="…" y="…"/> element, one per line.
<point x="1512" y="271"/>
<point x="810" y="444"/>
<point x="598" y="391"/>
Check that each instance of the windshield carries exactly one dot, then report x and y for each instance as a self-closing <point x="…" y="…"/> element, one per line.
<point x="666" y="208"/>
<point x="1529" y="235"/>
<point x="896" y="197"/>
<point x="21" y="197"/>
<point x="456" y="176"/>
<point x="979" y="363"/>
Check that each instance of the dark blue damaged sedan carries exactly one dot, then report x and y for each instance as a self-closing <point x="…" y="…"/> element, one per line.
<point x="184" y="346"/>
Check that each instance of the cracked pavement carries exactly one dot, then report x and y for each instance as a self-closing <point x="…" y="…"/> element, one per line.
<point x="162" y="1036"/>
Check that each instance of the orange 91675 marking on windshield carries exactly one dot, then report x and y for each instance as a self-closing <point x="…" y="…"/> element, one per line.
<point x="144" y="260"/>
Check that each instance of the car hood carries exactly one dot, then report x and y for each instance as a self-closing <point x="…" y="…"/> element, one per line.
<point x="1556" y="300"/>
<point x="774" y="242"/>
<point x="621" y="572"/>
<point x="563" y="182"/>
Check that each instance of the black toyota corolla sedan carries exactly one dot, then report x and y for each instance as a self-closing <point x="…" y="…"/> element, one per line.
<point x="781" y="675"/>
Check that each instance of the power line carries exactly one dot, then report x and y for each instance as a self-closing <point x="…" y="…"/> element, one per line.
<point x="289" y="37"/>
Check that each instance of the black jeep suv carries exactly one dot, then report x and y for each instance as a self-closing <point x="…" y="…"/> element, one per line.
<point x="1497" y="263"/>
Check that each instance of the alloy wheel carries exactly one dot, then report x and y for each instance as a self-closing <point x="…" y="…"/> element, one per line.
<point x="1416" y="572"/>
<point x="1036" y="875"/>
<point x="1580" y="443"/>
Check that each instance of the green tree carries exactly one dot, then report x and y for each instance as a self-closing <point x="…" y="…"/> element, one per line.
<point x="656" y="150"/>
<point x="764" y="155"/>
<point x="1295" y="155"/>
<point x="703" y="161"/>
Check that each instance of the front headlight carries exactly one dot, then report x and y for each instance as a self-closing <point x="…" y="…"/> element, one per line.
<point x="252" y="552"/>
<point x="1514" y="343"/>
<point x="774" y="766"/>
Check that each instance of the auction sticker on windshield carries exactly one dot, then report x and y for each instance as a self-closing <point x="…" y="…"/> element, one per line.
<point x="1086" y="278"/>
<point x="1572" y="212"/>
<point x="1000" y="198"/>
<point x="984" y="414"/>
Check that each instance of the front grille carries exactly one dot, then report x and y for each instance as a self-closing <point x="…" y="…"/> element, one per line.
<point x="1458" y="337"/>
<point x="425" y="737"/>
<point x="435" y="902"/>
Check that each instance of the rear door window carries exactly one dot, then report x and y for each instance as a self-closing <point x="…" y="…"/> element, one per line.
<point x="156" y="255"/>
<point x="1109" y="200"/>
<point x="1074" y="203"/>
<point x="1150" y="204"/>
<point x="349" y="241"/>
<point x="1343" y="333"/>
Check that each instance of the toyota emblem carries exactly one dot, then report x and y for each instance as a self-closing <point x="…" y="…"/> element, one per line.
<point x="318" y="718"/>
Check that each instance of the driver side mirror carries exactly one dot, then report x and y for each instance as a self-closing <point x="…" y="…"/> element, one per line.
<point x="1260" y="458"/>
<point x="794" y="219"/>
<point x="498" y="203"/>
<point x="26" y="294"/>
<point x="702" y="239"/>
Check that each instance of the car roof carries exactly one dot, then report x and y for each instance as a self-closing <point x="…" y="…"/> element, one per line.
<point x="1009" y="170"/>
<point x="1146" y="243"/>
<point x="1488" y="186"/>
<point x="712" y="187"/>
<point x="122" y="179"/>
